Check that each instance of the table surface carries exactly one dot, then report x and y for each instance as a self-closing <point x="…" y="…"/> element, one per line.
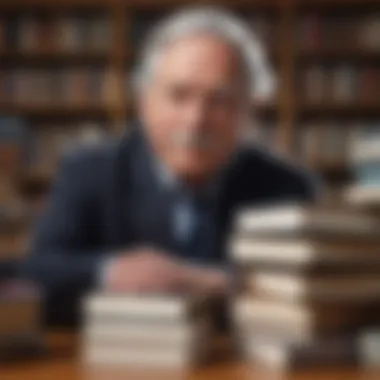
<point x="62" y="363"/>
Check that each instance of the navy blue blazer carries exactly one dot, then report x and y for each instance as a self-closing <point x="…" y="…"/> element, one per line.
<point x="106" y="199"/>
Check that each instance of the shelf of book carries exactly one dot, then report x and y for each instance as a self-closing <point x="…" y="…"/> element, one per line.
<point x="57" y="111"/>
<point x="341" y="54"/>
<point x="325" y="74"/>
<point x="354" y="109"/>
<point x="46" y="56"/>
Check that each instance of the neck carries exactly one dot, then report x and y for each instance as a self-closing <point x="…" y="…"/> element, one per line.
<point x="196" y="181"/>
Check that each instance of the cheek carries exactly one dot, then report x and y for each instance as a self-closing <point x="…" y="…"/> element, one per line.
<point x="163" y="119"/>
<point x="224" y="127"/>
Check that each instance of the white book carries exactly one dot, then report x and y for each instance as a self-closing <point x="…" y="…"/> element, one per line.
<point x="362" y="195"/>
<point x="365" y="150"/>
<point x="145" y="333"/>
<point x="154" y="307"/>
<point x="293" y="287"/>
<point x="298" y="219"/>
<point x="250" y="310"/>
<point x="130" y="356"/>
<point x="294" y="319"/>
<point x="155" y="350"/>
<point x="300" y="252"/>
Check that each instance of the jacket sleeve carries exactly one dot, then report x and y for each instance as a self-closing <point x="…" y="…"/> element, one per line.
<point x="62" y="261"/>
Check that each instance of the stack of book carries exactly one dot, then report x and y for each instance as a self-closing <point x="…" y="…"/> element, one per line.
<point x="310" y="282"/>
<point x="365" y="161"/>
<point x="146" y="331"/>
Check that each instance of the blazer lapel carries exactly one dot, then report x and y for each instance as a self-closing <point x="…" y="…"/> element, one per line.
<point x="150" y="206"/>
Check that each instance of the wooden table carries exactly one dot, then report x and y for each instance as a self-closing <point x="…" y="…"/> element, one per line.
<point x="62" y="363"/>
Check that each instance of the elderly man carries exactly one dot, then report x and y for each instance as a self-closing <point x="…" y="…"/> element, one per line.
<point x="151" y="212"/>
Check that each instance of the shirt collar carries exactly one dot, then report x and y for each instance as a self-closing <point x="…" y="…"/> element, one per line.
<point x="169" y="182"/>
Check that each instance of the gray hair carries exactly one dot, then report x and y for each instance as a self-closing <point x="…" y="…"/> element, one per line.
<point x="218" y="22"/>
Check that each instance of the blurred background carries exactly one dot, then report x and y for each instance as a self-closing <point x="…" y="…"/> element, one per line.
<point x="64" y="83"/>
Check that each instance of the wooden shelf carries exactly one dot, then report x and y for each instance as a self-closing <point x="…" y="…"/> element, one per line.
<point x="35" y="181"/>
<point x="335" y="3"/>
<point x="347" y="54"/>
<point x="24" y="57"/>
<point x="269" y="108"/>
<point x="22" y="5"/>
<point x="347" y="110"/>
<point x="28" y="110"/>
<point x="286" y="55"/>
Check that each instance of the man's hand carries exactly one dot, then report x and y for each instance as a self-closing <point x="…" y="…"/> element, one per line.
<point x="206" y="280"/>
<point x="148" y="270"/>
<point x="145" y="270"/>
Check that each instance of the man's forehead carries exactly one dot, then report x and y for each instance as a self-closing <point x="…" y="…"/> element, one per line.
<point x="199" y="55"/>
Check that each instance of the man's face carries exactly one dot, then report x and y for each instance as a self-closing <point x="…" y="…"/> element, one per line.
<point x="192" y="107"/>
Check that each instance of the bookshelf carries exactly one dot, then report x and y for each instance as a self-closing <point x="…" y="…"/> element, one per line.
<point x="325" y="53"/>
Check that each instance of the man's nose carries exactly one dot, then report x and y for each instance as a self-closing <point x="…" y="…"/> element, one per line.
<point x="196" y="114"/>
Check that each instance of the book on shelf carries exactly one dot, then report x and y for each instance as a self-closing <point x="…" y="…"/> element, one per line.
<point x="99" y="34"/>
<point x="11" y="35"/>
<point x="334" y="143"/>
<point x="318" y="32"/>
<point x="52" y="142"/>
<point x="337" y="30"/>
<point x="369" y="82"/>
<point x="308" y="142"/>
<point x="314" y="82"/>
<point x="310" y="32"/>
<point x="369" y="32"/>
<point x="69" y="32"/>
<point x="343" y="84"/>
<point x="13" y="136"/>
<point x="75" y="86"/>
<point x="340" y="84"/>
<point x="29" y="33"/>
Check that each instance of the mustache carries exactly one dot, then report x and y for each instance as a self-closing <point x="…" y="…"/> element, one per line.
<point x="198" y="140"/>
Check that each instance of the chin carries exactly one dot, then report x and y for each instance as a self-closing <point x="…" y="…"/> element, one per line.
<point x="194" y="167"/>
